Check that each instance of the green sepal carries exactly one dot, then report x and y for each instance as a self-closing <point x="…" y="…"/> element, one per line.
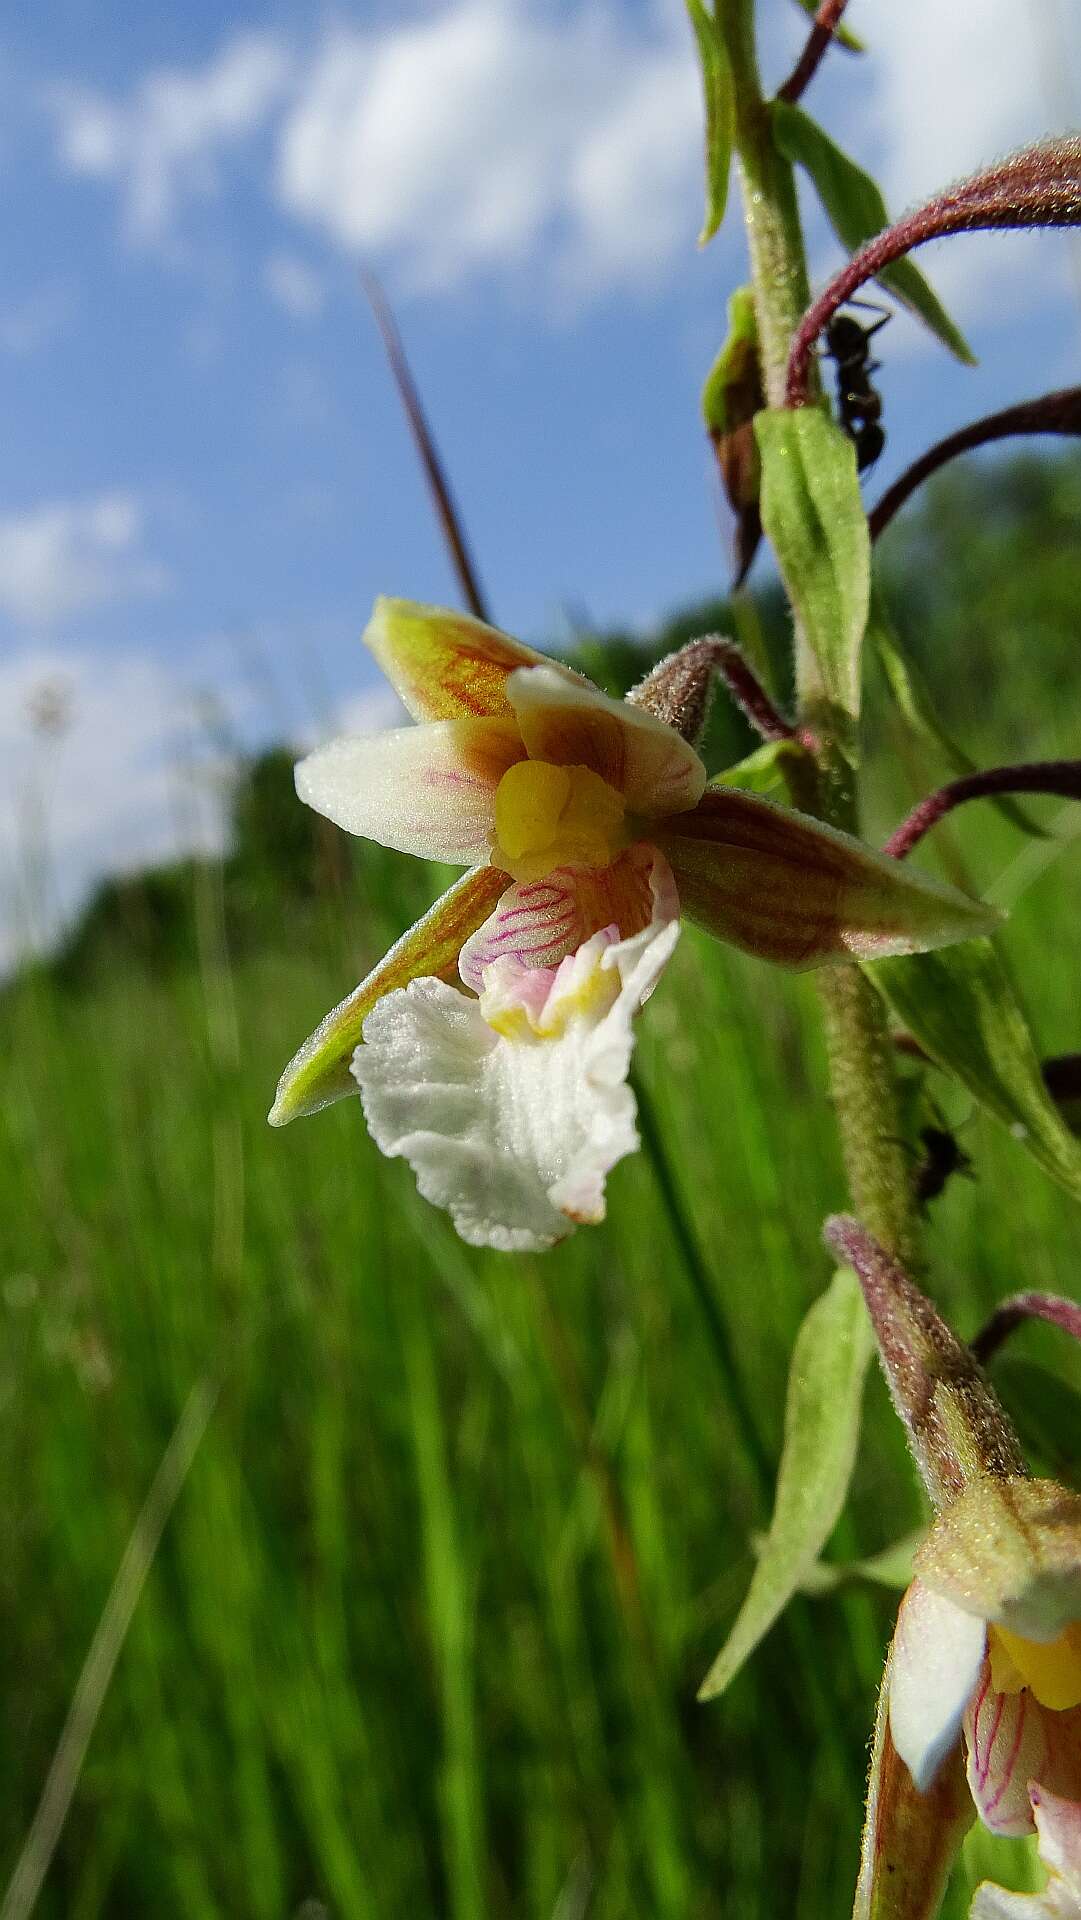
<point x="821" y="1433"/>
<point x="813" y="515"/>
<point x="856" y="211"/>
<point x="961" y="1007"/>
<point x="720" y="108"/>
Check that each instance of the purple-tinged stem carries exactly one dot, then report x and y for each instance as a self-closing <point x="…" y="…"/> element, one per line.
<point x="826" y="21"/>
<point x="732" y="666"/>
<point x="450" y="521"/>
<point x="1038" y="187"/>
<point x="1012" y="1313"/>
<point x="1062" y="777"/>
<point x="1058" y="412"/>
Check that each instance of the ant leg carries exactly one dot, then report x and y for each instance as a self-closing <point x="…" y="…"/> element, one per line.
<point x="871" y="306"/>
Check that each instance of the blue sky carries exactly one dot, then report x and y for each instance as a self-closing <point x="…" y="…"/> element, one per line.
<point x="204" y="476"/>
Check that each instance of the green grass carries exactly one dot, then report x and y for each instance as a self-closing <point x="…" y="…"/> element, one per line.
<point x="425" y="1629"/>
<point x="464" y="1532"/>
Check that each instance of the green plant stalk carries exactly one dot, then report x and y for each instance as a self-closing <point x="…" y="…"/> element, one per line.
<point x="862" y="1072"/>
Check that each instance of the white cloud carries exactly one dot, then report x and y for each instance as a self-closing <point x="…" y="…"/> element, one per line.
<point x="485" y="134"/>
<point x="64" y="557"/>
<point x="294" y="285"/>
<point x="166" y="142"/>
<point x="102" y="769"/>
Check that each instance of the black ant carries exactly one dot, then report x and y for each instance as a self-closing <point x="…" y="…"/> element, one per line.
<point x="942" y="1156"/>
<point x="848" y="342"/>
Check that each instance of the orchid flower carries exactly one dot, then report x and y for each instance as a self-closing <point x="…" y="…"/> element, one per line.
<point x="988" y="1642"/>
<point x="986" y="1656"/>
<point x="586" y="824"/>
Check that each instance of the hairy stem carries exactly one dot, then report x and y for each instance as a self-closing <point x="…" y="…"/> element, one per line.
<point x="861" y="1060"/>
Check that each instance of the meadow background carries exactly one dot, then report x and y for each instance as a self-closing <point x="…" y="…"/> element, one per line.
<point x="463" y="1532"/>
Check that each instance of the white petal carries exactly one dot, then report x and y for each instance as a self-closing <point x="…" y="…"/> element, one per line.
<point x="938" y="1654"/>
<point x="513" y="1133"/>
<point x="428" y="790"/>
<point x="575" y="725"/>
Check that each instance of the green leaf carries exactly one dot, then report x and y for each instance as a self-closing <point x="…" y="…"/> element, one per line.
<point x="821" y="1431"/>
<point x="962" y="1009"/>
<point x="915" y="703"/>
<point x="762" y="770"/>
<point x="856" y="211"/>
<point x="720" y="113"/>
<point x="813" y="515"/>
<point x="843" y="34"/>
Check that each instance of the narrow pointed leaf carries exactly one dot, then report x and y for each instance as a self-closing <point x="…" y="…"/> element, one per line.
<point x="845" y="35"/>
<point x="813" y="515"/>
<point x="962" y="1009"/>
<point x="822" y="1424"/>
<point x="720" y="114"/>
<point x="856" y="211"/>
<point x="319" y="1073"/>
<point x="916" y="705"/>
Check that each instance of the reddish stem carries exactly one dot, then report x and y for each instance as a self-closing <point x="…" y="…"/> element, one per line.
<point x="1012" y="1313"/>
<point x="821" y="35"/>
<point x="449" y="518"/>
<point x="1038" y="187"/>
<point x="1062" y="777"/>
<point x="1058" y="412"/>
<point x="746" y="689"/>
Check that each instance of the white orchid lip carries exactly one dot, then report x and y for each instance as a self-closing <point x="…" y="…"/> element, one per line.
<point x="513" y="1107"/>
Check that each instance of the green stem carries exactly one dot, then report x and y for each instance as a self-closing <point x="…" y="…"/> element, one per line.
<point x="862" y="1071"/>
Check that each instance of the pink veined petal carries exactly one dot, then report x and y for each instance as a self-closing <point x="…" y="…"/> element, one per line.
<point x="573" y="724"/>
<point x="427" y="790"/>
<point x="1012" y="1741"/>
<point x="539" y="922"/>
<point x="319" y="1072"/>
<point x="938" y="1654"/>
<point x="445" y="665"/>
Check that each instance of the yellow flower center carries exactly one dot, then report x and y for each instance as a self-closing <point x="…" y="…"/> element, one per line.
<point x="1051" y="1671"/>
<point x="548" y="816"/>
